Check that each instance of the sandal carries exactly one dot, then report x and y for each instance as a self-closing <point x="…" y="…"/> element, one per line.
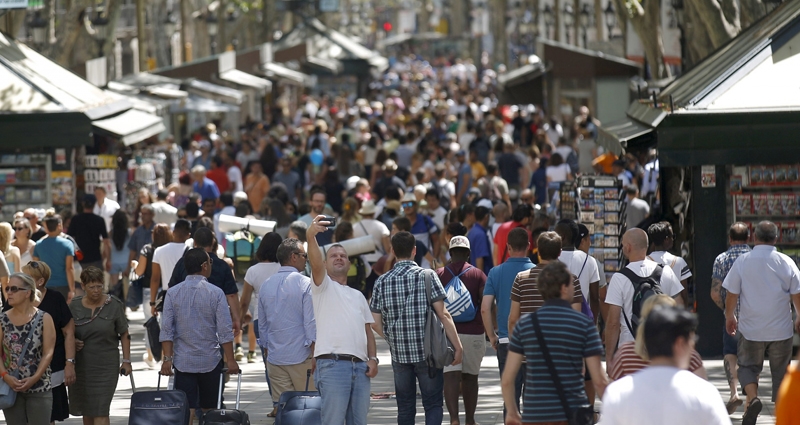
<point x="273" y="413"/>
<point x="732" y="405"/>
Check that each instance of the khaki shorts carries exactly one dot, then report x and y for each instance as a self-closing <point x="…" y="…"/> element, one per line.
<point x="474" y="348"/>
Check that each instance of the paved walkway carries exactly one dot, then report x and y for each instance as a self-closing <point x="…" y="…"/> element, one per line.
<point x="257" y="402"/>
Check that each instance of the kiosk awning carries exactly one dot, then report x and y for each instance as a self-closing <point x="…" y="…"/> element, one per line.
<point x="131" y="126"/>
<point x="244" y="79"/>
<point x="616" y="136"/>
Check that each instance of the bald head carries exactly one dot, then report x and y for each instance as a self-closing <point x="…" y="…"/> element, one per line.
<point x="634" y="244"/>
<point x="739" y="233"/>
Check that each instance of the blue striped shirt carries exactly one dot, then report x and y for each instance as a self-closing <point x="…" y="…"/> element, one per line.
<point x="570" y="337"/>
<point x="197" y="320"/>
<point x="286" y="324"/>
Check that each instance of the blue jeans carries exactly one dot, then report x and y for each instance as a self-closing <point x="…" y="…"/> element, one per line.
<point x="502" y="355"/>
<point x="344" y="387"/>
<point x="406" y="376"/>
<point x="263" y="356"/>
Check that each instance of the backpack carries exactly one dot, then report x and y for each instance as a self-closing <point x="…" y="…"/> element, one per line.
<point x="444" y="197"/>
<point x="643" y="288"/>
<point x="357" y="274"/>
<point x="241" y="247"/>
<point x="458" y="300"/>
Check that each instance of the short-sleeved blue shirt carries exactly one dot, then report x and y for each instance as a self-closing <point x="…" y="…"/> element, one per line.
<point x="498" y="284"/>
<point x="479" y="247"/>
<point x="54" y="252"/>
<point x="208" y="191"/>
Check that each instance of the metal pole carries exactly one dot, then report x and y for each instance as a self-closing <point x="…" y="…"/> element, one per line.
<point x="140" y="35"/>
<point x="184" y="57"/>
<point x="222" y="18"/>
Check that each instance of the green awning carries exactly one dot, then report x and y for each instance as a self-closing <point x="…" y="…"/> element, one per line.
<point x="618" y="135"/>
<point x="130" y="127"/>
<point x="35" y="130"/>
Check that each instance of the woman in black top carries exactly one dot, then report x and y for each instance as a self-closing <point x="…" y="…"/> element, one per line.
<point x="62" y="371"/>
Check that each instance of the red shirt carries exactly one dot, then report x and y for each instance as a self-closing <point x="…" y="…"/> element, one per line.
<point x="501" y="239"/>
<point x="220" y="177"/>
<point x="475" y="280"/>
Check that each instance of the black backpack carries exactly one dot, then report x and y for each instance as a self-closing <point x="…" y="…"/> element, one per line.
<point x="444" y="197"/>
<point x="643" y="288"/>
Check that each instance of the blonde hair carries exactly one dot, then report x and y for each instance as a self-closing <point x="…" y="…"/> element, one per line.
<point x="28" y="283"/>
<point x="647" y="307"/>
<point x="6" y="234"/>
<point x="37" y="270"/>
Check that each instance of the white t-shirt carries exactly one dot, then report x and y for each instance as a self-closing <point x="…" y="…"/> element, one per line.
<point x="235" y="177"/>
<point x="106" y="211"/>
<point x="575" y="262"/>
<point x="341" y="313"/>
<point x="677" y="264"/>
<point x="663" y="395"/>
<point x="377" y="230"/>
<point x="166" y="257"/>
<point x="164" y="212"/>
<point x="620" y="291"/>
<point x="557" y="173"/>
<point x="256" y="276"/>
<point x="438" y="215"/>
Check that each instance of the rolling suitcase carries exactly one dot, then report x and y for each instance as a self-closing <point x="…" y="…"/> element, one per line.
<point x="168" y="407"/>
<point x="300" y="407"/>
<point x="222" y="416"/>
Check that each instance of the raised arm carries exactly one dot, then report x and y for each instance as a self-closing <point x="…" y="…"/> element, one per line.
<point x="318" y="272"/>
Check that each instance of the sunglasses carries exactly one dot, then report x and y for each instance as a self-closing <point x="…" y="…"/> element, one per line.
<point x="20" y="228"/>
<point x="15" y="289"/>
<point x="407" y="204"/>
<point x="302" y="254"/>
<point x="34" y="264"/>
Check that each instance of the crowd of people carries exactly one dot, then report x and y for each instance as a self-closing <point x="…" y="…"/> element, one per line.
<point x="455" y="193"/>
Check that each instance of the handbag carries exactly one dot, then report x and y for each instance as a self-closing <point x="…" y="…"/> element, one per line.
<point x="439" y="351"/>
<point x="583" y="415"/>
<point x="153" y="336"/>
<point x="8" y="396"/>
<point x="117" y="290"/>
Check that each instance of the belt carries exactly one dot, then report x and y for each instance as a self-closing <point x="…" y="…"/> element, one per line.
<point x="345" y="357"/>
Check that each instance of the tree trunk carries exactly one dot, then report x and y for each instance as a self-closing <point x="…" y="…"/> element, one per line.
<point x="646" y="21"/>
<point x="751" y="11"/>
<point x="720" y="25"/>
<point x="67" y="31"/>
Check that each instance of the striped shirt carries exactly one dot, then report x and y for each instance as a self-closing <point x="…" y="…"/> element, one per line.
<point x="677" y="264"/>
<point x="399" y="297"/>
<point x="197" y="320"/>
<point x="286" y="323"/>
<point x="723" y="264"/>
<point x="570" y="337"/>
<point x="525" y="292"/>
<point x="627" y="362"/>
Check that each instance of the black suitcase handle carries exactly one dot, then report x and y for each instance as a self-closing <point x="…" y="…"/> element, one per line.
<point x="222" y="384"/>
<point x="133" y="385"/>
<point x="308" y="378"/>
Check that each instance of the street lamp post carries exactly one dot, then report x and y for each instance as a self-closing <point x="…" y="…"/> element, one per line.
<point x="585" y="19"/>
<point x="549" y="19"/>
<point x="169" y="29"/>
<point x="100" y="25"/>
<point x="39" y="28"/>
<point x="611" y="18"/>
<point x="569" y="19"/>
<point x="211" y="27"/>
<point x="677" y="5"/>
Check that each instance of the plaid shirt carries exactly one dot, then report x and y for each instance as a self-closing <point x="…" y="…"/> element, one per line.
<point x="723" y="264"/>
<point x="399" y="297"/>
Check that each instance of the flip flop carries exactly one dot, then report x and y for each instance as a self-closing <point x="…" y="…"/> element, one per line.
<point x="733" y="405"/>
<point x="273" y="413"/>
<point x="751" y="414"/>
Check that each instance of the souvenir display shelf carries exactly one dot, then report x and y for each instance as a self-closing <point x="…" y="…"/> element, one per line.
<point x="602" y="211"/>
<point x="24" y="183"/>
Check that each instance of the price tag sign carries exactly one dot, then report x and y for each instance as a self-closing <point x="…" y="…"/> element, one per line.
<point x="13" y="4"/>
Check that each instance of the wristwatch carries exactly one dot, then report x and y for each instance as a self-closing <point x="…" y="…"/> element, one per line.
<point x="152" y="304"/>
<point x="126" y="361"/>
<point x="71" y="361"/>
<point x="377" y="361"/>
<point x="168" y="359"/>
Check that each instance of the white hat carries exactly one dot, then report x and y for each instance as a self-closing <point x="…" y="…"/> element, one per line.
<point x="409" y="197"/>
<point x="367" y="207"/>
<point x="351" y="182"/>
<point x="459" y="242"/>
<point x="485" y="203"/>
<point x="239" y="197"/>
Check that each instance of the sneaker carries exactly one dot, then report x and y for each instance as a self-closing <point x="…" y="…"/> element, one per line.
<point x="751" y="414"/>
<point x="151" y="363"/>
<point x="251" y="357"/>
<point x="239" y="354"/>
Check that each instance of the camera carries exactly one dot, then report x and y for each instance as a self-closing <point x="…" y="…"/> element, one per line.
<point x="331" y="220"/>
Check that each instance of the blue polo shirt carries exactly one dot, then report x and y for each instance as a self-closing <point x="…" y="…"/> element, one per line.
<point x="479" y="247"/>
<point x="208" y="191"/>
<point x="54" y="252"/>
<point x="423" y="228"/>
<point x="498" y="285"/>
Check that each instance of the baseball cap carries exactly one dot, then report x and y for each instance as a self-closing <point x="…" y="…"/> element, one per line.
<point x="409" y="197"/>
<point x="485" y="203"/>
<point x="582" y="231"/>
<point x="459" y="242"/>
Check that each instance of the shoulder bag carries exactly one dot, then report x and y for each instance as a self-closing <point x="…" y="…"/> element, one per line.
<point x="439" y="351"/>
<point x="7" y="395"/>
<point x="583" y="415"/>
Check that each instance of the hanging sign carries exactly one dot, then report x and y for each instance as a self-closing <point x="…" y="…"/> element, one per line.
<point x="13" y="4"/>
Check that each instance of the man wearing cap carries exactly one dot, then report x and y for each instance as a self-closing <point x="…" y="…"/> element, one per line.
<point x="368" y="226"/>
<point x="463" y="378"/>
<point x="422" y="227"/>
<point x="104" y="207"/>
<point x="389" y="179"/>
<point x="481" y="252"/>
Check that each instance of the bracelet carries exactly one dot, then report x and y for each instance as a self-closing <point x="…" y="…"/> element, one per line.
<point x="152" y="304"/>
<point x="168" y="359"/>
<point x="126" y="361"/>
<point x="3" y="375"/>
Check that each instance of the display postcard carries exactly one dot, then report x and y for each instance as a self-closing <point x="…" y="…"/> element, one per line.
<point x="611" y="265"/>
<point x="768" y="176"/>
<point x="755" y="176"/>
<point x="612" y="217"/>
<point x="598" y="254"/>
<point x="611" y="253"/>
<point x="599" y="194"/>
<point x="611" y="241"/>
<point x="788" y="204"/>
<point x="598" y="240"/>
<point x="587" y="217"/>
<point x="781" y="172"/>
<point x="743" y="204"/>
<point x="587" y="193"/>
<point x="587" y="204"/>
<point x="612" y="194"/>
<point x="598" y="210"/>
<point x="774" y="204"/>
<point x="736" y="184"/>
<point x="789" y="233"/>
<point x="760" y="204"/>
<point x="599" y="223"/>
<point x="611" y="229"/>
<point x="589" y="227"/>
<point x="612" y="205"/>
<point x="793" y="174"/>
